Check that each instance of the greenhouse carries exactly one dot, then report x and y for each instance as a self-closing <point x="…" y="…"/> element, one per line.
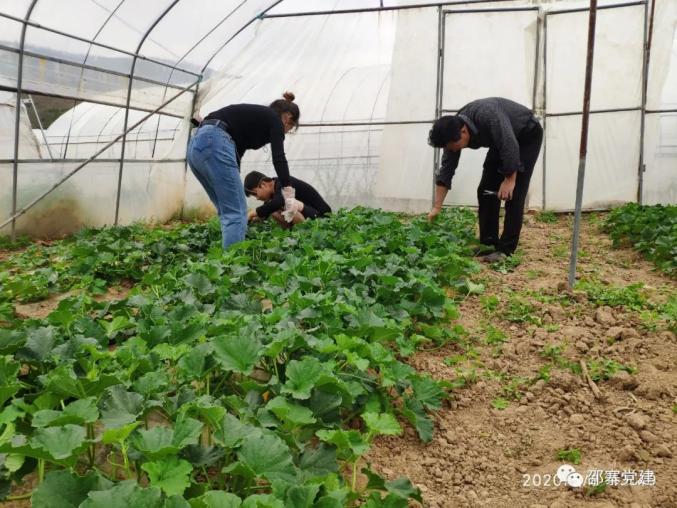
<point x="367" y="358"/>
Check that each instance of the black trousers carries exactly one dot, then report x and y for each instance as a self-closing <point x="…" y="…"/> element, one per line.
<point x="490" y="206"/>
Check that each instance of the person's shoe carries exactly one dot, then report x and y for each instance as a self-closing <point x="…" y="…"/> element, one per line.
<point x="483" y="250"/>
<point x="494" y="257"/>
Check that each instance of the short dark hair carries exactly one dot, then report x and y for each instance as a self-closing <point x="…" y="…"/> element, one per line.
<point x="252" y="181"/>
<point x="445" y="129"/>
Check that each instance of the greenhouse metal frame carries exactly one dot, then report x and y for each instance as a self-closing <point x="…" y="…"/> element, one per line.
<point x="443" y="11"/>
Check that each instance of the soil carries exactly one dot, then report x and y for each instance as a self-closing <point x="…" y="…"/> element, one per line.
<point x="481" y="456"/>
<point x="42" y="309"/>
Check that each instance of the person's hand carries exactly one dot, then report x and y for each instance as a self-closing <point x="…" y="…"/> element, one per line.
<point x="288" y="193"/>
<point x="506" y="189"/>
<point x="434" y="213"/>
<point x="252" y="216"/>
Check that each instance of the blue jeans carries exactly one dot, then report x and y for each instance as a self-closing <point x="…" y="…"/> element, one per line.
<point x="213" y="159"/>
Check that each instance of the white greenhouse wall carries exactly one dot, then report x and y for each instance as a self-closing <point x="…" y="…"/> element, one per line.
<point x="377" y="72"/>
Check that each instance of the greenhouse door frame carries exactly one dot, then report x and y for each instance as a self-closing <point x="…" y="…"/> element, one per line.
<point x="441" y="32"/>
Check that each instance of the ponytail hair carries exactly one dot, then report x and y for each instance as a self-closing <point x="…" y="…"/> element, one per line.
<point x="287" y="105"/>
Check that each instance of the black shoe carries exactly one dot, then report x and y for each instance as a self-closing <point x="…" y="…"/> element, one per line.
<point x="483" y="250"/>
<point x="494" y="257"/>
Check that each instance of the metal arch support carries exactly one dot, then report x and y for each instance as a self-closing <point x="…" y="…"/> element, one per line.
<point x="260" y="16"/>
<point x="90" y="41"/>
<point x="171" y="73"/>
<point x="17" y="116"/>
<point x="129" y="98"/>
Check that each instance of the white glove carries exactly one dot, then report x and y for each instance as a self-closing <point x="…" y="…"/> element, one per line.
<point x="295" y="206"/>
<point x="288" y="193"/>
<point x="289" y="215"/>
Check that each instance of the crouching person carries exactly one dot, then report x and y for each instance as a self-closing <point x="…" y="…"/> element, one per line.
<point x="308" y="202"/>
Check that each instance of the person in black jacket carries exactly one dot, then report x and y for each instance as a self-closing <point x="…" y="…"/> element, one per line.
<point x="513" y="136"/>
<point x="222" y="138"/>
<point x="308" y="202"/>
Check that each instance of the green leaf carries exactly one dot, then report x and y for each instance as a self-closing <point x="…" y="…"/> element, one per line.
<point x="403" y="488"/>
<point x="414" y="412"/>
<point x="267" y="456"/>
<point x="428" y="392"/>
<point x="349" y="443"/>
<point x="199" y="282"/>
<point x="118" y="434"/>
<point x="172" y="475"/>
<point x="63" y="489"/>
<point x="197" y="362"/>
<point x="237" y="354"/>
<point x="262" y="501"/>
<point x="155" y="442"/>
<point x="112" y="328"/>
<point x="202" y="456"/>
<point x="301" y="496"/>
<point x="151" y="383"/>
<point x="186" y="431"/>
<point x="126" y="494"/>
<point x="13" y="462"/>
<point x="290" y="412"/>
<point x="83" y="409"/>
<point x="79" y="412"/>
<point x="11" y="340"/>
<point x="390" y="501"/>
<point x="162" y="441"/>
<point x="216" y="499"/>
<point x="38" y="346"/>
<point x="318" y="461"/>
<point x="383" y="423"/>
<point x="500" y="403"/>
<point x="231" y="432"/>
<point x="59" y="442"/>
<point x="302" y="376"/>
<point x="120" y="407"/>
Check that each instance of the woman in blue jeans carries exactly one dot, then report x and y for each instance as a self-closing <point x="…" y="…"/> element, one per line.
<point x="222" y="138"/>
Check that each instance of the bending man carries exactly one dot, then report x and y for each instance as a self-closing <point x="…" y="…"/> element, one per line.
<point x="513" y="136"/>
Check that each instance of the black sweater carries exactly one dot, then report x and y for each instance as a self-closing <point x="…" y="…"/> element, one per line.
<point x="305" y="193"/>
<point x="251" y="126"/>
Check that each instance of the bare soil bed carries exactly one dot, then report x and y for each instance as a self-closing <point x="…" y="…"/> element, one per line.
<point x="522" y="403"/>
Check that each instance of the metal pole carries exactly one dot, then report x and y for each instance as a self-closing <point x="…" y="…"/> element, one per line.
<point x="99" y="152"/>
<point x="260" y="16"/>
<point x="648" y="31"/>
<point x="379" y="9"/>
<point x="584" y="140"/>
<point x="17" y="116"/>
<point x="129" y="99"/>
<point x="545" y="107"/>
<point x="42" y="130"/>
<point x="95" y="43"/>
<point x="438" y="90"/>
<point x="185" y="166"/>
<point x="171" y="73"/>
<point x="537" y="54"/>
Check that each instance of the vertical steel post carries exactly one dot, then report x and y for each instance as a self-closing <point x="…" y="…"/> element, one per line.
<point x="17" y="116"/>
<point x="438" y="90"/>
<point x="128" y="102"/>
<point x="545" y="107"/>
<point x="648" y="31"/>
<point x="584" y="140"/>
